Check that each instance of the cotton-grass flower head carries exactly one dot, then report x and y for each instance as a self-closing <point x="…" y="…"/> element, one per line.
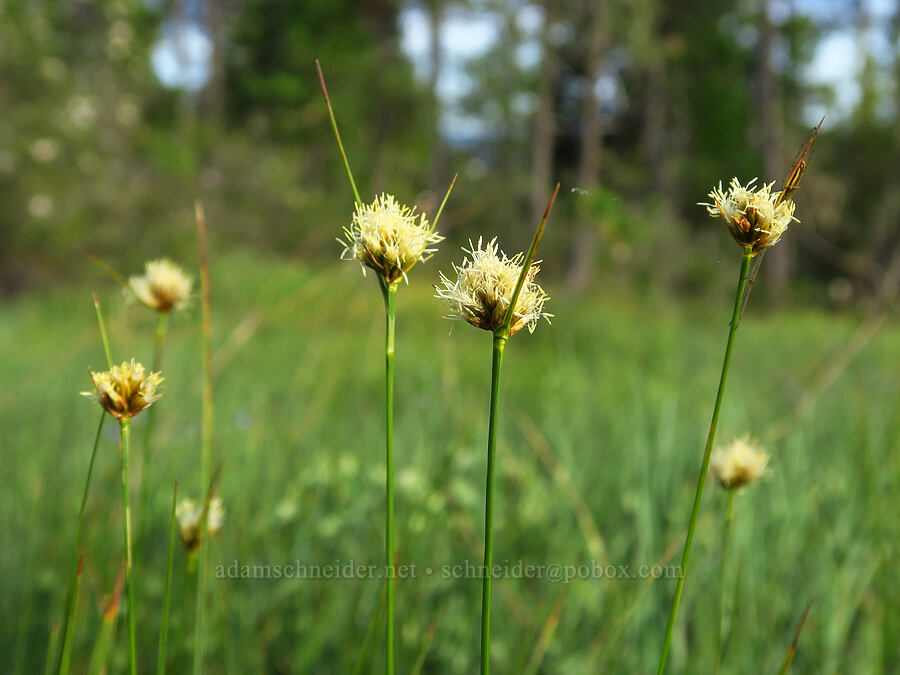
<point x="164" y="286"/>
<point x="738" y="464"/>
<point x="756" y="217"/>
<point x="126" y="389"/>
<point x="484" y="285"/>
<point x="189" y="513"/>
<point x="388" y="237"/>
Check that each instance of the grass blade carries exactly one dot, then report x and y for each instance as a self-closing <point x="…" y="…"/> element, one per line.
<point x="167" y="598"/>
<point x="75" y="565"/>
<point x="105" y="634"/>
<point x="206" y="438"/>
<point x="337" y="134"/>
<point x="66" y="653"/>
<point x="789" y="657"/>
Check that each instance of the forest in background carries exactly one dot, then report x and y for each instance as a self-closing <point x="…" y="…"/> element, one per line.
<point x="638" y="108"/>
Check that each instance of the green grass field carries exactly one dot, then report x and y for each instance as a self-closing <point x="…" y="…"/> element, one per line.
<point x="603" y="415"/>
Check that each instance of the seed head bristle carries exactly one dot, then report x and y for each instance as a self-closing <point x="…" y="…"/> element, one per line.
<point x="484" y="285"/>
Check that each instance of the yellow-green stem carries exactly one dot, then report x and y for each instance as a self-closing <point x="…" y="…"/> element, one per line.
<point x="390" y="299"/>
<point x="125" y="445"/>
<point x="704" y="468"/>
<point x="496" y="365"/>
<point x="66" y="653"/>
<point x="205" y="441"/>
<point x="167" y="598"/>
<point x="148" y="434"/>
<point x="726" y="538"/>
<point x="74" y="565"/>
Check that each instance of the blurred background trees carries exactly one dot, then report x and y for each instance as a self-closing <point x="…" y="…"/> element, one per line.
<point x="117" y="114"/>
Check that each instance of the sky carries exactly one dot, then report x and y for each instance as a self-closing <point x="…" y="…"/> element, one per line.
<point x="181" y="56"/>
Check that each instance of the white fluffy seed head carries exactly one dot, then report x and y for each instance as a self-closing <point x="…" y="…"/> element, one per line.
<point x="738" y="464"/>
<point x="164" y="286"/>
<point x="483" y="288"/>
<point x="756" y="217"/>
<point x="388" y="237"/>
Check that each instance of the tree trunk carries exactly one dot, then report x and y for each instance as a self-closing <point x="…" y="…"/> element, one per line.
<point x="545" y="120"/>
<point x="654" y="131"/>
<point x="215" y="87"/>
<point x="585" y="238"/>
<point x="778" y="260"/>
<point x="438" y="152"/>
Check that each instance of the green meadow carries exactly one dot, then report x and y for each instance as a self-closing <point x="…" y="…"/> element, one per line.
<point x="603" y="419"/>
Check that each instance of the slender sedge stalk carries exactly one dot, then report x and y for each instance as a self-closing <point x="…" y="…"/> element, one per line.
<point x="103" y="337"/>
<point x="390" y="299"/>
<point x="125" y="430"/>
<point x="167" y="598"/>
<point x="52" y="645"/>
<point x="205" y="442"/>
<point x="704" y="468"/>
<point x="496" y="365"/>
<point x="27" y="595"/>
<point x="337" y="134"/>
<point x="75" y="565"/>
<point x="726" y="538"/>
<point x="151" y="417"/>
<point x="66" y="653"/>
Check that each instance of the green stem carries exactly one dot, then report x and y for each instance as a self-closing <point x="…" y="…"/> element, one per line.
<point x="74" y="564"/>
<point x="496" y="364"/>
<point x="337" y="134"/>
<point x="205" y="442"/>
<point x="726" y="538"/>
<point x="125" y="428"/>
<point x="151" y="417"/>
<point x="704" y="468"/>
<point x="27" y="594"/>
<point x="66" y="653"/>
<point x="167" y="599"/>
<point x="390" y="300"/>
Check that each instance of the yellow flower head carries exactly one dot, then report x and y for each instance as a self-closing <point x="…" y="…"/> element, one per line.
<point x="163" y="287"/>
<point x="738" y="464"/>
<point x="188" y="514"/>
<point x="388" y="237"/>
<point x="126" y="389"/>
<point x="756" y="217"/>
<point x="482" y="291"/>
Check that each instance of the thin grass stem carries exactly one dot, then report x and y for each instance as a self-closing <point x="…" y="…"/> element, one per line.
<point x="103" y="336"/>
<point x="337" y="134"/>
<point x="66" y="652"/>
<point x="704" y="467"/>
<point x="75" y="565"/>
<point x="726" y="539"/>
<point x="206" y="440"/>
<point x="27" y="595"/>
<point x="158" y="345"/>
<point x="496" y="365"/>
<point x="390" y="301"/>
<point x="167" y="597"/>
<point x="125" y="435"/>
<point x="52" y="646"/>
<point x="370" y="634"/>
<point x="103" y="641"/>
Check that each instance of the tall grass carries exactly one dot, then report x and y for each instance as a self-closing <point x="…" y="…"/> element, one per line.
<point x="614" y="408"/>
